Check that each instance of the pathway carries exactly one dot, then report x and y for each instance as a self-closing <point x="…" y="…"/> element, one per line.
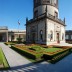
<point x="13" y="58"/>
<point x="64" y="65"/>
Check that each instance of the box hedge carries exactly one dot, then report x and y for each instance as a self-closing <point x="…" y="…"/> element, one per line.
<point x="28" y="53"/>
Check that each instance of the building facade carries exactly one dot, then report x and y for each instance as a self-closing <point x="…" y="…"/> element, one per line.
<point x="45" y="27"/>
<point x="68" y="36"/>
<point x="14" y="34"/>
<point x="4" y="34"/>
<point x="11" y="35"/>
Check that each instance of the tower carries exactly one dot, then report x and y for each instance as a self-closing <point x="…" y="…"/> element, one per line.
<point x="40" y="6"/>
<point x="45" y="27"/>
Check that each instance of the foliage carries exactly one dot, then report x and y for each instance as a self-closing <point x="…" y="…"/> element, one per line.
<point x="19" y="40"/>
<point x="29" y="53"/>
<point x="59" y="54"/>
<point x="3" y="59"/>
<point x="9" y="43"/>
<point x="37" y="52"/>
<point x="37" y="48"/>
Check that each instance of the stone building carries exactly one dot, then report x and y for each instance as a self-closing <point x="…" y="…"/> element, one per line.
<point x="14" y="34"/>
<point x="45" y="27"/>
<point x="4" y="34"/>
<point x="11" y="35"/>
<point x="68" y="36"/>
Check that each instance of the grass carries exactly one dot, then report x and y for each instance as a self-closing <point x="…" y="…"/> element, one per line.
<point x="3" y="59"/>
<point x="10" y="43"/>
<point x="52" y="49"/>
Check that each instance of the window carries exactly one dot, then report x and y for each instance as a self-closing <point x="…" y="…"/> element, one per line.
<point x="12" y="38"/>
<point x="51" y="36"/>
<point x="56" y="14"/>
<point x="67" y="36"/>
<point x="36" y="13"/>
<point x="36" y="1"/>
<point x="41" y="35"/>
<point x="55" y="1"/>
<point x="63" y="36"/>
<point x="71" y="36"/>
<point x="48" y="1"/>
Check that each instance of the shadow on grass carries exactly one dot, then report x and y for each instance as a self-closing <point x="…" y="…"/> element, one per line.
<point x="56" y="61"/>
<point x="4" y="68"/>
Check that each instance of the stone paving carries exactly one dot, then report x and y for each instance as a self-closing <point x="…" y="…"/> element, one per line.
<point x="64" y="65"/>
<point x="13" y="58"/>
<point x="64" y="44"/>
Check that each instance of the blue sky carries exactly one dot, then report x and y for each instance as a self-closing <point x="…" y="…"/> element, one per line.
<point x="13" y="10"/>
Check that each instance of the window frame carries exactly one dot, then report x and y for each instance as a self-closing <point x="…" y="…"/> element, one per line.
<point x="41" y="35"/>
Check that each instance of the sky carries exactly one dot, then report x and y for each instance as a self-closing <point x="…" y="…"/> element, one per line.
<point x="13" y="10"/>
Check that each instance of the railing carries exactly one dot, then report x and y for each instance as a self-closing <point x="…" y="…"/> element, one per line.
<point x="55" y="18"/>
<point x="49" y="16"/>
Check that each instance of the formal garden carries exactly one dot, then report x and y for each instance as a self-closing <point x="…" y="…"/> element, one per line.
<point x="36" y="52"/>
<point x="3" y="61"/>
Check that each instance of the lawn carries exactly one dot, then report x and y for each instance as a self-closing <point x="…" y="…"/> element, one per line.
<point x="3" y="61"/>
<point x="52" y="49"/>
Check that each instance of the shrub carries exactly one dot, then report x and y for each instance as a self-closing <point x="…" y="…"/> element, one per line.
<point x="57" y="53"/>
<point x="9" y="43"/>
<point x="28" y="53"/>
<point x="19" y="40"/>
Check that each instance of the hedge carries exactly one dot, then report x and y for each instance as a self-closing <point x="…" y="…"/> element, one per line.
<point x="46" y="56"/>
<point x="28" y="53"/>
<point x="59" y="57"/>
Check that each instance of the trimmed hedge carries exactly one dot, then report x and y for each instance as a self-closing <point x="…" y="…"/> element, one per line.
<point x="50" y="57"/>
<point x="9" y="43"/>
<point x="28" y="53"/>
<point x="59" y="57"/>
<point x="37" y="52"/>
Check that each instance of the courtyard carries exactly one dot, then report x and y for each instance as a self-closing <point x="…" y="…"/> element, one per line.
<point x="19" y="62"/>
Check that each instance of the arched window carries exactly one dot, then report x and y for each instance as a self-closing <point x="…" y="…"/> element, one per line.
<point x="62" y="36"/>
<point x="41" y="34"/>
<point x="36" y="13"/>
<point x="56" y="14"/>
<point x="51" y="36"/>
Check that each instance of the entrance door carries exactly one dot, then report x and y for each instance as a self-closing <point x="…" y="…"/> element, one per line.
<point x="33" y="37"/>
<point x="0" y="37"/>
<point x="58" y="41"/>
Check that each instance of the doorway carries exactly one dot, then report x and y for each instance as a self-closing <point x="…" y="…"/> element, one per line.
<point x="33" y="37"/>
<point x="1" y="37"/>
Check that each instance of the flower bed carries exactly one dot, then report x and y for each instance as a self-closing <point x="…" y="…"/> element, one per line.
<point x="36" y="52"/>
<point x="56" y="55"/>
<point x="27" y="52"/>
